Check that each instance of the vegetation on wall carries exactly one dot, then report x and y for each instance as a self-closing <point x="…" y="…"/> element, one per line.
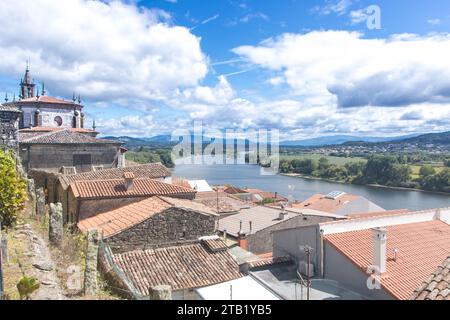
<point x="12" y="190"/>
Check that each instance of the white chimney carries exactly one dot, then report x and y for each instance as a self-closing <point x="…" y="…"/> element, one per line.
<point x="379" y="248"/>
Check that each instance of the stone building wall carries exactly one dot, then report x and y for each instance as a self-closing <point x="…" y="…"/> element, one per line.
<point x="262" y="241"/>
<point x="52" y="157"/>
<point x="9" y="125"/>
<point x="89" y="208"/>
<point x="173" y="225"/>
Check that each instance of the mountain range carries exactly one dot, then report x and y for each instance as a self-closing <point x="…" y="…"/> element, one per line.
<point x="165" y="140"/>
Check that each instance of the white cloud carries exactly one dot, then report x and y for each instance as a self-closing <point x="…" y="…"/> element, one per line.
<point x="103" y="50"/>
<point x="338" y="7"/>
<point x="434" y="22"/>
<point x="399" y="71"/>
<point x="358" y="16"/>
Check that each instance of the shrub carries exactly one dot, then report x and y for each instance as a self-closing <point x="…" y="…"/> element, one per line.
<point x="12" y="190"/>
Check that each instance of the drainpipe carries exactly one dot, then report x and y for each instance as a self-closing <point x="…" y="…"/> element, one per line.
<point x="321" y="254"/>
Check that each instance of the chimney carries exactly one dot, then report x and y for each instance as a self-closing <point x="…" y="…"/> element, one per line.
<point x="379" y="248"/>
<point x="242" y="238"/>
<point x="129" y="179"/>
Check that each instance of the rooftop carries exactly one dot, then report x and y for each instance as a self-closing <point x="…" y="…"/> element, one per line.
<point x="260" y="217"/>
<point x="182" y="267"/>
<point x="227" y="203"/>
<point x="46" y="99"/>
<point x="115" y="188"/>
<point x="64" y="136"/>
<point x="237" y="289"/>
<point x="421" y="247"/>
<point x="116" y="221"/>
<point x="266" y="195"/>
<point x="437" y="286"/>
<point x="51" y="129"/>
<point x="339" y="203"/>
<point x="282" y="278"/>
<point x="151" y="171"/>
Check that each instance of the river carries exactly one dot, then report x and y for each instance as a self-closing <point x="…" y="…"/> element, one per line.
<point x="300" y="189"/>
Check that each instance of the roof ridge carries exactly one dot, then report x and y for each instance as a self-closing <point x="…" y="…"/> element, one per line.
<point x="46" y="134"/>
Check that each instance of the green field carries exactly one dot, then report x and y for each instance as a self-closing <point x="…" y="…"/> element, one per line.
<point x="340" y="161"/>
<point x="416" y="169"/>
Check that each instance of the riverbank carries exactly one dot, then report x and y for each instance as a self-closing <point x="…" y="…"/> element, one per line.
<point x="296" y="175"/>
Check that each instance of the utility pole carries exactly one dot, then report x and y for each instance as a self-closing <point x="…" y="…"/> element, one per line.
<point x="308" y="251"/>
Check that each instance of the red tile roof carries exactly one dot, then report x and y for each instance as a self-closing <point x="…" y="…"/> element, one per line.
<point x="437" y="286"/>
<point x="320" y="202"/>
<point x="115" y="188"/>
<point x="150" y="170"/>
<point x="267" y="195"/>
<point x="51" y="129"/>
<point x="182" y="267"/>
<point x="121" y="219"/>
<point x="65" y="136"/>
<point x="116" y="221"/>
<point x="45" y="99"/>
<point x="422" y="246"/>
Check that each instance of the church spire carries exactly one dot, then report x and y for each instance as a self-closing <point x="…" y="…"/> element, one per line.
<point x="43" y="89"/>
<point x="26" y="84"/>
<point x="6" y="97"/>
<point x="94" y="127"/>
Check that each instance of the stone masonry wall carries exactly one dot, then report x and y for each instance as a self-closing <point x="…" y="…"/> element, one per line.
<point x="53" y="157"/>
<point x="171" y="226"/>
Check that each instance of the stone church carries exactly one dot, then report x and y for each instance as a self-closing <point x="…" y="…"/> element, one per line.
<point x="40" y="110"/>
<point x="48" y="133"/>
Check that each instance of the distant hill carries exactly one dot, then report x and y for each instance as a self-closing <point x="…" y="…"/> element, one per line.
<point x="340" y="139"/>
<point x="442" y="138"/>
<point x="431" y="138"/>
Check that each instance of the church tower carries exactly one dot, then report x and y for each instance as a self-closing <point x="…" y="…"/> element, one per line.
<point x="27" y="85"/>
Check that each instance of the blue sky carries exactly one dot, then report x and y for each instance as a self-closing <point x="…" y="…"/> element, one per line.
<point x="307" y="68"/>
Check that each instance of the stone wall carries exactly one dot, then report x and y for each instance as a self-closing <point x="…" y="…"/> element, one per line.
<point x="171" y="226"/>
<point x="53" y="157"/>
<point x="89" y="208"/>
<point x="262" y="241"/>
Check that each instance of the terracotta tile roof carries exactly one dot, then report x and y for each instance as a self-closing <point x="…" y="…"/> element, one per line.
<point x="51" y="129"/>
<point x="45" y="99"/>
<point x="269" y="261"/>
<point x="234" y="190"/>
<point x="422" y="246"/>
<point x="181" y="267"/>
<point x="128" y="175"/>
<point x="121" y="219"/>
<point x="437" y="286"/>
<point x="227" y="204"/>
<point x="214" y="244"/>
<point x="267" y="195"/>
<point x="116" y="221"/>
<point x="345" y="204"/>
<point x="65" y="136"/>
<point x="92" y="189"/>
<point x="150" y="170"/>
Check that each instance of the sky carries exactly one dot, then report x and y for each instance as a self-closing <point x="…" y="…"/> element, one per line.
<point x="306" y="68"/>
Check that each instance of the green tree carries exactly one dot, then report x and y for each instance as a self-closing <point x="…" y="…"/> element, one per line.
<point x="355" y="168"/>
<point x="427" y="170"/>
<point x="12" y="190"/>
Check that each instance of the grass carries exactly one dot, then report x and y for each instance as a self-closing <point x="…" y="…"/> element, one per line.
<point x="416" y="170"/>
<point x="340" y="161"/>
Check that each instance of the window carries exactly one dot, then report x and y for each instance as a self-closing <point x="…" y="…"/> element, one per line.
<point x="58" y="121"/>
